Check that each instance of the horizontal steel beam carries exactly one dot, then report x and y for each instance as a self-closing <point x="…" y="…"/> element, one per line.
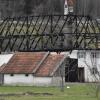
<point x="49" y="33"/>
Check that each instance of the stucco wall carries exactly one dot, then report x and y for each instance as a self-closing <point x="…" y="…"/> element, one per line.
<point x="18" y="79"/>
<point x="73" y="55"/>
<point x="57" y="81"/>
<point x="42" y="81"/>
<point x="87" y="64"/>
<point x="21" y="79"/>
<point x="83" y="62"/>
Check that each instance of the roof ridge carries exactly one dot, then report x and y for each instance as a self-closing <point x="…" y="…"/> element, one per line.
<point x="57" y="56"/>
<point x="41" y="62"/>
<point x="51" y="74"/>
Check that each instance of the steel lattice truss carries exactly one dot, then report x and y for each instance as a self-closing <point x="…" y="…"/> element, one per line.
<point x="49" y="33"/>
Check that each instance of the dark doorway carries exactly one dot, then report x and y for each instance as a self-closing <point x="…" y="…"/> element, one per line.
<point x="81" y="74"/>
<point x="71" y="70"/>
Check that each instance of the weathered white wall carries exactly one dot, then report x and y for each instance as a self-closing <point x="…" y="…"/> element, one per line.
<point x="87" y="64"/>
<point x="42" y="81"/>
<point x="18" y="79"/>
<point x="83" y="63"/>
<point x="57" y="81"/>
<point x="73" y="54"/>
<point x="21" y="79"/>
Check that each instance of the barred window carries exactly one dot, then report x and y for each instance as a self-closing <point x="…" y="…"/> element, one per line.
<point x="95" y="54"/>
<point x="81" y="54"/>
<point x="94" y="70"/>
<point x="11" y="75"/>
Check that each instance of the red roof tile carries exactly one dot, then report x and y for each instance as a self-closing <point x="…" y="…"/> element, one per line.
<point x="49" y="65"/>
<point x="27" y="62"/>
<point x="2" y="67"/>
<point x="23" y="62"/>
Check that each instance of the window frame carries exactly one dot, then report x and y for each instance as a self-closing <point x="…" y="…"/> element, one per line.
<point x="94" y="70"/>
<point x="26" y="75"/>
<point x="95" y="54"/>
<point x="81" y="54"/>
<point x="11" y="75"/>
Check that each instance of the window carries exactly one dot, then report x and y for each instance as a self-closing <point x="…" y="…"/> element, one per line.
<point x="65" y="6"/>
<point x="94" y="70"/>
<point x="11" y="74"/>
<point x="95" y="54"/>
<point x="26" y="75"/>
<point x="81" y="54"/>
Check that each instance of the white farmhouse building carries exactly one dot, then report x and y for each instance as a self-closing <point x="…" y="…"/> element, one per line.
<point x="90" y="61"/>
<point x="88" y="64"/>
<point x="46" y="69"/>
<point x="4" y="58"/>
<point x="33" y="68"/>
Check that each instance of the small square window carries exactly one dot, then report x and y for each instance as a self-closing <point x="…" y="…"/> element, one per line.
<point x="95" y="54"/>
<point x="94" y="70"/>
<point x="11" y="74"/>
<point x="26" y="75"/>
<point x="81" y="54"/>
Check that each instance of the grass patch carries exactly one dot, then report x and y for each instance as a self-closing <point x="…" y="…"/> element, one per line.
<point x="75" y="92"/>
